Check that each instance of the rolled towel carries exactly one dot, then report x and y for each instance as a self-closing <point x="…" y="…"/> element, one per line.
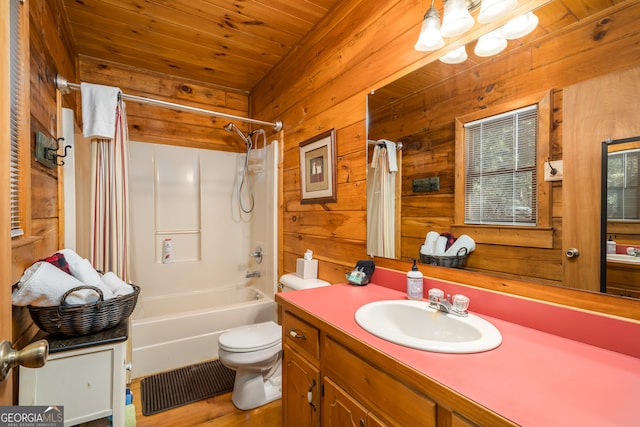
<point x="43" y="285"/>
<point x="84" y="271"/>
<point x="116" y="285"/>
<point x="70" y="255"/>
<point x="463" y="241"/>
<point x="441" y="245"/>
<point x="429" y="246"/>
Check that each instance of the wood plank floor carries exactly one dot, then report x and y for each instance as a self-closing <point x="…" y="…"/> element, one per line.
<point x="216" y="411"/>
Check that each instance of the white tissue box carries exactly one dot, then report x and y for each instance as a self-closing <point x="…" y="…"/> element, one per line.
<point x="307" y="268"/>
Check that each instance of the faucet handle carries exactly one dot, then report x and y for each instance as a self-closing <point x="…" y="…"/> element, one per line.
<point x="460" y="303"/>
<point x="436" y="294"/>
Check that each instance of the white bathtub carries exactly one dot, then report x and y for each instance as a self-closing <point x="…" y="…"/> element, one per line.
<point x="176" y="330"/>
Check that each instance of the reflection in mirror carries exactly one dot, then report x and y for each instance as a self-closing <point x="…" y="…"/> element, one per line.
<point x="419" y="110"/>
<point x="620" y="239"/>
<point x="382" y="197"/>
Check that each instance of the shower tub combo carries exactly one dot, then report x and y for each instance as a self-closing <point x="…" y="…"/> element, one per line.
<point x="217" y="278"/>
<point x="182" y="329"/>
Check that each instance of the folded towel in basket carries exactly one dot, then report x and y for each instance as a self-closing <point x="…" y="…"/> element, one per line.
<point x="84" y="271"/>
<point x="116" y="285"/>
<point x="43" y="285"/>
<point x="463" y="241"/>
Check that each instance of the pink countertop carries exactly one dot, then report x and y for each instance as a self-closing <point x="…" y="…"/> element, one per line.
<point x="533" y="378"/>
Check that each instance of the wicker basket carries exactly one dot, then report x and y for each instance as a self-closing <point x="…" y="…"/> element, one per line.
<point x="456" y="261"/>
<point x="82" y="319"/>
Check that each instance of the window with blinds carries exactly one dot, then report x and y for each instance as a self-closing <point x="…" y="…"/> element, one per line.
<point x="623" y="186"/>
<point x="17" y="86"/>
<point x="500" y="169"/>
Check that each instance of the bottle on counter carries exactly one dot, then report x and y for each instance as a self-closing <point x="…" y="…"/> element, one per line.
<point x="414" y="283"/>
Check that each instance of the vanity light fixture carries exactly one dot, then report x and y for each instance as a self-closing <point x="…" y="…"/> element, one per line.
<point x="455" y="56"/>
<point x="520" y="26"/>
<point x="430" y="37"/>
<point x="457" y="19"/>
<point x="492" y="10"/>
<point x="490" y="44"/>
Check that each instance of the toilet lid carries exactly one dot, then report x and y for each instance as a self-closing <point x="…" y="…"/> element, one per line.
<point x="251" y="337"/>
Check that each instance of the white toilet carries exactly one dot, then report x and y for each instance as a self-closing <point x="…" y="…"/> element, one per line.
<point x="255" y="353"/>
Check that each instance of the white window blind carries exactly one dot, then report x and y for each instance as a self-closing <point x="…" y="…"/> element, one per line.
<point x="500" y="169"/>
<point x="623" y="186"/>
<point x="16" y="71"/>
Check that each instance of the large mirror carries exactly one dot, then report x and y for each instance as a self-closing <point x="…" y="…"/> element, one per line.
<point x="412" y="121"/>
<point x="621" y="217"/>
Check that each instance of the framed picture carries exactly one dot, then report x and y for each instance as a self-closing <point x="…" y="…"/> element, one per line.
<point x="318" y="168"/>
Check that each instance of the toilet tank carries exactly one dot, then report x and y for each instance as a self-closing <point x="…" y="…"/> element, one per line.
<point x="291" y="282"/>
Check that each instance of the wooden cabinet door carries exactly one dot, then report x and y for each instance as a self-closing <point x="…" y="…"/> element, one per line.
<point x="339" y="409"/>
<point x="301" y="391"/>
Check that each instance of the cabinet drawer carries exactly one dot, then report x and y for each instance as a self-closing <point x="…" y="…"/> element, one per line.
<point x="388" y="398"/>
<point x="300" y="335"/>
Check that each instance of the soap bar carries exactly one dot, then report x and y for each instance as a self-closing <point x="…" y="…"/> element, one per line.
<point x="307" y="268"/>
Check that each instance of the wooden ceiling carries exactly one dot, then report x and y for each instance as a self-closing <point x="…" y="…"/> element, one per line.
<point x="231" y="43"/>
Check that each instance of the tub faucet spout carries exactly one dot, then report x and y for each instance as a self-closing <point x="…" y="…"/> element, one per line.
<point x="251" y="274"/>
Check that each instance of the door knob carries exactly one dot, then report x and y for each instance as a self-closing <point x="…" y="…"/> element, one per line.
<point x="572" y="253"/>
<point x="32" y="356"/>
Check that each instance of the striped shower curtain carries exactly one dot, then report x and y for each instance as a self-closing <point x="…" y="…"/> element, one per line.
<point x="381" y="195"/>
<point x="109" y="200"/>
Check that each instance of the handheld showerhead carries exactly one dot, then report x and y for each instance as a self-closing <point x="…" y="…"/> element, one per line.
<point x="229" y="127"/>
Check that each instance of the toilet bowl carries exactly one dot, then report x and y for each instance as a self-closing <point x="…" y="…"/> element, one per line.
<point x="255" y="353"/>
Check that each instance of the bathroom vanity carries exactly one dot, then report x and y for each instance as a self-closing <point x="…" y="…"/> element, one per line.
<point x="335" y="373"/>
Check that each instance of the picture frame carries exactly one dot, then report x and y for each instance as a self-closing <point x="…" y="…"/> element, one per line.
<point x="318" y="168"/>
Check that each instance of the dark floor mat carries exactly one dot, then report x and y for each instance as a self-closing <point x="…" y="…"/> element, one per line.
<point x="185" y="385"/>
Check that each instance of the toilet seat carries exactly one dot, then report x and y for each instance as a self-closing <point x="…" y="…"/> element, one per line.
<point x="251" y="338"/>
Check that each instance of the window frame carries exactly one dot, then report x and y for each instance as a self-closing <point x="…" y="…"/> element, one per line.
<point x="538" y="236"/>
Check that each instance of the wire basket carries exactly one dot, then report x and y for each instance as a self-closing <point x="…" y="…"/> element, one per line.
<point x="74" y="320"/>
<point x="456" y="261"/>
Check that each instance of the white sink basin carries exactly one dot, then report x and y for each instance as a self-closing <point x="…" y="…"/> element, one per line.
<point x="414" y="324"/>
<point x="627" y="259"/>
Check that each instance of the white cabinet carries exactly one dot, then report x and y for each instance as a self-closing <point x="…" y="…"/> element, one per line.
<point x="89" y="382"/>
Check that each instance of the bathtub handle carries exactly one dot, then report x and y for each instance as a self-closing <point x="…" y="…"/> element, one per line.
<point x="296" y="335"/>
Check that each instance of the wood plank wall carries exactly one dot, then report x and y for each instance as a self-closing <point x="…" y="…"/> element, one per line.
<point x="347" y="56"/>
<point x="161" y="125"/>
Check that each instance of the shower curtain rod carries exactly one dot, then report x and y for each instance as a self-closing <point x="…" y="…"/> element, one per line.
<point x="65" y="87"/>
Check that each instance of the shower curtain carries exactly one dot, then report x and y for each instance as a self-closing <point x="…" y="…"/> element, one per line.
<point x="109" y="200"/>
<point x="381" y="194"/>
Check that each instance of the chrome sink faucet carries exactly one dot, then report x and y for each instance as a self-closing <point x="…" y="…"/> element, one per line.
<point x="458" y="305"/>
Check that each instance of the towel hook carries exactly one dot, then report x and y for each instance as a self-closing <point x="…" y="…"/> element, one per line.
<point x="52" y="153"/>
<point x="552" y="170"/>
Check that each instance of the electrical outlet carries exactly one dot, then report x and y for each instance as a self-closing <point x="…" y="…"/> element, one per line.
<point x="548" y="173"/>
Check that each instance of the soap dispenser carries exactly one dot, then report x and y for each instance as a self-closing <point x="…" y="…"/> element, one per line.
<point x="414" y="283"/>
<point x="611" y="245"/>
